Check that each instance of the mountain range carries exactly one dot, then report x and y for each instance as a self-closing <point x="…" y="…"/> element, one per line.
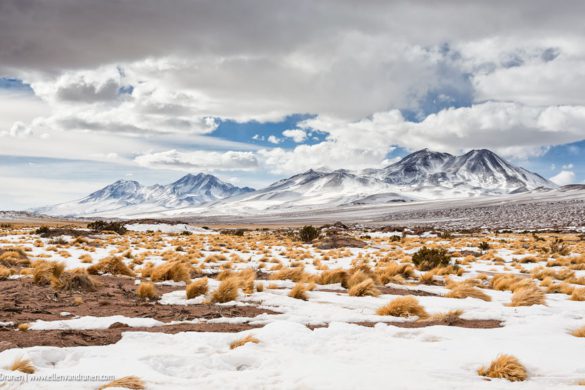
<point x="422" y="175"/>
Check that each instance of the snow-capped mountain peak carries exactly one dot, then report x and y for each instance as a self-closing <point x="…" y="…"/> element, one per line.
<point x="126" y="197"/>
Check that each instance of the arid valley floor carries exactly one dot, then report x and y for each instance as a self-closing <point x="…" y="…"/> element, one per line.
<point x="167" y="306"/>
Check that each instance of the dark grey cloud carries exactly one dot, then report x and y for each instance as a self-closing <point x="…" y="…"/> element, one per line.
<point x="66" y="34"/>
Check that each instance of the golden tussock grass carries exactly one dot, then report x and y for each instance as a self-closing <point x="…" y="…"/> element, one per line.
<point x="528" y="296"/>
<point x="505" y="367"/>
<point x="393" y="269"/>
<point x="110" y="265"/>
<point x="75" y="280"/>
<point x="22" y="365"/>
<point x="127" y="382"/>
<point x="226" y="291"/>
<point x="85" y="258"/>
<point x="299" y="291"/>
<point x="331" y="276"/>
<point x="197" y="288"/>
<point x="427" y="277"/>
<point x="14" y="257"/>
<point x="4" y="272"/>
<point x="578" y="294"/>
<point x="407" y="306"/>
<point x="260" y="287"/>
<point x="23" y="327"/>
<point x="365" y="288"/>
<point x="579" y="332"/>
<point x="463" y="290"/>
<point x="77" y="300"/>
<point x="504" y="282"/>
<point x="356" y="278"/>
<point x="448" y="318"/>
<point x="243" y="341"/>
<point x="293" y="274"/>
<point x="44" y="272"/>
<point x="176" y="271"/>
<point x="147" y="290"/>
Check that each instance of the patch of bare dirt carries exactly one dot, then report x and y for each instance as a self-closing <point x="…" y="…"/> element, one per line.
<point x="76" y="338"/>
<point x="22" y="301"/>
<point x="388" y="290"/>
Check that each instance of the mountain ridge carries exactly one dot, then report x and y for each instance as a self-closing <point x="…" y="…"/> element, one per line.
<point x="421" y="175"/>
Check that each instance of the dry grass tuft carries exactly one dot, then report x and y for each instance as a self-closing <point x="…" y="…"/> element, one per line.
<point x="44" y="272"/>
<point x="75" y="280"/>
<point x="449" y="318"/>
<point x="147" y="290"/>
<point x="505" y="367"/>
<point x="331" y="276"/>
<point x="245" y="340"/>
<point x="579" y="332"/>
<point x="260" y="287"/>
<point x="4" y="272"/>
<point x="127" y="382"/>
<point x="463" y="290"/>
<point x="293" y="274"/>
<point x="504" y="282"/>
<point x="407" y="306"/>
<point x="196" y="288"/>
<point x="226" y="291"/>
<point x="110" y="265"/>
<point x="299" y="291"/>
<point x="23" y="327"/>
<point x="22" y="365"/>
<point x="365" y="288"/>
<point x="13" y="257"/>
<point x="528" y="296"/>
<point x="578" y="294"/>
<point x="176" y="271"/>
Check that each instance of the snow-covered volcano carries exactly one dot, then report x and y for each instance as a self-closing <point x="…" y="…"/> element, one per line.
<point x="422" y="175"/>
<point x="478" y="169"/>
<point x="127" y="197"/>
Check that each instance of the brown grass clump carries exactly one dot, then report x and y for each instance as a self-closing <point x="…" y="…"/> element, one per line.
<point x="14" y="257"/>
<point x="528" y="296"/>
<point x="196" y="288"/>
<point x="503" y="282"/>
<point x="427" y="277"/>
<point x="393" y="269"/>
<point x="22" y="365"/>
<point x="505" y="367"/>
<point x="127" y="382"/>
<point x="299" y="291"/>
<point x="578" y="294"/>
<point x="147" y="290"/>
<point x="448" y="318"/>
<point x="260" y="287"/>
<point x="356" y="278"/>
<point x="245" y="340"/>
<point x="23" y="327"/>
<point x="579" y="332"/>
<point x="110" y="265"/>
<point x="365" y="288"/>
<point x="226" y="291"/>
<point x="74" y="280"/>
<point x="176" y="271"/>
<point x="293" y="274"/>
<point x="407" y="306"/>
<point x="44" y="272"/>
<point x="4" y="272"/>
<point x="463" y="290"/>
<point x="331" y="276"/>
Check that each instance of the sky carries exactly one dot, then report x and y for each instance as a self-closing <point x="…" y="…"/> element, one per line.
<point x="254" y="91"/>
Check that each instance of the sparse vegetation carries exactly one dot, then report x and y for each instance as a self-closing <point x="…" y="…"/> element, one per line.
<point x="197" y="288"/>
<point x="407" y="306"/>
<point x="243" y="341"/>
<point x="308" y="233"/>
<point x="505" y="367"/>
<point x="426" y="259"/>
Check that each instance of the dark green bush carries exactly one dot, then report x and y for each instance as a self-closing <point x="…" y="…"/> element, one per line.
<point x="426" y="259"/>
<point x="308" y="233"/>
<point x="101" y="226"/>
<point x="484" y="246"/>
